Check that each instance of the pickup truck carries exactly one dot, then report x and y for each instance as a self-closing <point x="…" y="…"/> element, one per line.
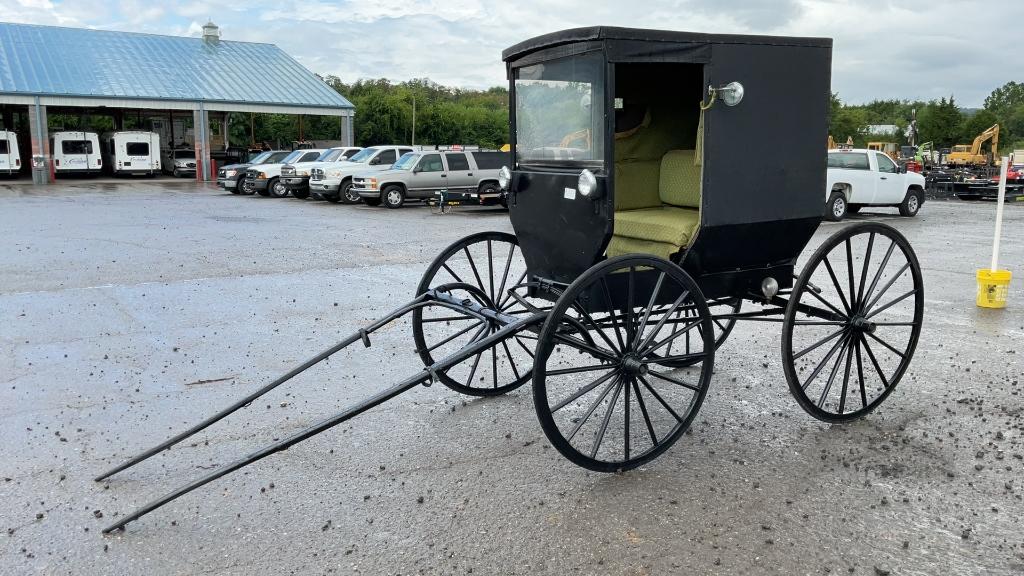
<point x="419" y="175"/>
<point x="232" y="176"/>
<point x="858" y="178"/>
<point x="296" y="178"/>
<point x="265" y="179"/>
<point x="335" y="183"/>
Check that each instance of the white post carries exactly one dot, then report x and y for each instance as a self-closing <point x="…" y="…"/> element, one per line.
<point x="999" y="213"/>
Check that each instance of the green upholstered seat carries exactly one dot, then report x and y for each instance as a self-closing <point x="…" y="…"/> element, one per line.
<point x="665" y="228"/>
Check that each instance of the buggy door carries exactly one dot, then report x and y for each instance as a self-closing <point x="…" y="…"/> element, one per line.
<point x="560" y="129"/>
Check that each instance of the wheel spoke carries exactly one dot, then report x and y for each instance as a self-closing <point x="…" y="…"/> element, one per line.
<point x="827" y="303"/>
<point x="819" y="343"/>
<point x="864" y="270"/>
<point x="524" y="346"/>
<point x="454" y="336"/>
<point x="835" y="282"/>
<point x="860" y="375"/>
<point x="874" y="362"/>
<point x="510" y="292"/>
<point x="447" y="319"/>
<point x="846" y="377"/>
<point x="822" y="363"/>
<point x="850" y="276"/>
<point x="650" y="349"/>
<point x="578" y="369"/>
<point x="887" y="285"/>
<point x="582" y="391"/>
<point x="494" y="366"/>
<point x="607" y="418"/>
<point x="490" y="270"/>
<point x="664" y="318"/>
<point x="614" y="317"/>
<point x="590" y="411"/>
<point x="629" y="307"/>
<point x="881" y="268"/>
<point x="472" y="371"/>
<point x="452" y="272"/>
<point x="659" y="398"/>
<point x="590" y="319"/>
<point x="892" y="302"/>
<point x="643" y="410"/>
<point x="625" y="404"/>
<point x="472" y="264"/>
<point x="673" y="380"/>
<point x="580" y="344"/>
<point x="504" y="275"/>
<point x="677" y="358"/>
<point x="650" y="304"/>
<point x="512" y="362"/>
<point x="886" y="344"/>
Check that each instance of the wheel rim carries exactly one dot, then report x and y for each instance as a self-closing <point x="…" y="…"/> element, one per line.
<point x="483" y="267"/>
<point x="612" y="404"/>
<point x="839" y="208"/>
<point x="394" y="197"/>
<point x="912" y="203"/>
<point x="842" y="364"/>
<point x="350" y="195"/>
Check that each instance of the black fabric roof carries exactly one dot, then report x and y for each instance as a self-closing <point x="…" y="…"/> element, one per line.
<point x="599" y="33"/>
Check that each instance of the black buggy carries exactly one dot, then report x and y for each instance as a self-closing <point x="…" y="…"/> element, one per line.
<point x="661" y="181"/>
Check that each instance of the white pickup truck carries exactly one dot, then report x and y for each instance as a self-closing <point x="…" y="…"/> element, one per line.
<point x="858" y="178"/>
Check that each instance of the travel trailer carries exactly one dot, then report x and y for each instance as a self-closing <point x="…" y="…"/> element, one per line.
<point x="75" y="153"/>
<point x="10" y="158"/>
<point x="132" y="152"/>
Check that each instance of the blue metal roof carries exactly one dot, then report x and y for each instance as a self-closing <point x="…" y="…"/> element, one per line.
<point x="55" y="61"/>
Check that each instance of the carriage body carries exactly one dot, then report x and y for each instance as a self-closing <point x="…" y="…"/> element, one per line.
<point x="758" y="175"/>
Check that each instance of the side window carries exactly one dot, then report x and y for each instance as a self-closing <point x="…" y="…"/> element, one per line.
<point x="4" y="147"/>
<point x="403" y="151"/>
<point x="309" y="157"/>
<point x="385" y="158"/>
<point x="885" y="164"/>
<point x="431" y="163"/>
<point x="350" y="153"/>
<point x="457" y="161"/>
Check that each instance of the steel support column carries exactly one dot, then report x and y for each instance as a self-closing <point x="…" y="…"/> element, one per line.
<point x="201" y="131"/>
<point x="41" y="174"/>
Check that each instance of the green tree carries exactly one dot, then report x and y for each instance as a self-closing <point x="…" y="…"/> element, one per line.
<point x="975" y="124"/>
<point x="940" y="122"/>
<point x="1003" y="101"/>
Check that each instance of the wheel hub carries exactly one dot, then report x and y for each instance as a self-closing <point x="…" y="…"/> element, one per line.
<point x="633" y="366"/>
<point x="863" y="324"/>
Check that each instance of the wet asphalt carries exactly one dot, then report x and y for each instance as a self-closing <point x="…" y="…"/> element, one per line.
<point x="130" y="311"/>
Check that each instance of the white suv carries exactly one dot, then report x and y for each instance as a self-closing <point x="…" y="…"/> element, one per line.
<point x="334" y="183"/>
<point x="296" y="178"/>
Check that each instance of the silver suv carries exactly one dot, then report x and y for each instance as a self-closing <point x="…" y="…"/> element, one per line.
<point x="420" y="175"/>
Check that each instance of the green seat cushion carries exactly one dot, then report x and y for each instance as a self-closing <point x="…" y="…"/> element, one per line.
<point x="679" y="179"/>
<point x="668" y="224"/>
<point x="621" y="245"/>
<point x="636" y="184"/>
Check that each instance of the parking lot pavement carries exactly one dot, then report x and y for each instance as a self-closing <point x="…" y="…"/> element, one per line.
<point x="128" y="312"/>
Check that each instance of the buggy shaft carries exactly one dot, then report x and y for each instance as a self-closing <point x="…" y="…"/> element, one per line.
<point x="248" y="399"/>
<point x="425" y="376"/>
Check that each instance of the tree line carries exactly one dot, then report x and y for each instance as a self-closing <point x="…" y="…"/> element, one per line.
<point x="940" y="121"/>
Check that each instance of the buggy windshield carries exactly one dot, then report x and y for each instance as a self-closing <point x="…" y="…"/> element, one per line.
<point x="560" y="112"/>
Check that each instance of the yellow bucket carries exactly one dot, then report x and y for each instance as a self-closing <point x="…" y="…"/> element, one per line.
<point x="993" y="286"/>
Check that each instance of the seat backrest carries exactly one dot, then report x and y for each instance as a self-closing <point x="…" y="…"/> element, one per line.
<point x="679" y="179"/>
<point x="636" y="184"/>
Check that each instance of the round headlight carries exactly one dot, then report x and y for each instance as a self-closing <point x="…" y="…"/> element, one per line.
<point x="504" y="177"/>
<point x="587" y="183"/>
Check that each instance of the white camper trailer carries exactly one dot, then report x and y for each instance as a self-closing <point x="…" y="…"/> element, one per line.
<point x="131" y="152"/>
<point x="10" y="157"/>
<point x="75" y="153"/>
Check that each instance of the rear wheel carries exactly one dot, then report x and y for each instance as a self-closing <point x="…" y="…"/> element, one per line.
<point x="865" y="289"/>
<point x="911" y="204"/>
<point x="603" y="393"/>
<point x="836" y="208"/>
<point x="484" y="268"/>
<point x="393" y="196"/>
<point x="348" y="196"/>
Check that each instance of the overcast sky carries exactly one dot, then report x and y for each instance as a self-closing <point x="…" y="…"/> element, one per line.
<point x="909" y="49"/>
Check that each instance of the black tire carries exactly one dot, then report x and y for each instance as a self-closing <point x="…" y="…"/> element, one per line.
<point x="911" y="203"/>
<point x="625" y="357"/>
<point x="853" y="208"/>
<point x="300" y="194"/>
<point x="488" y="188"/>
<point x="371" y="201"/>
<point x="393" y="196"/>
<point x="246" y="188"/>
<point x="276" y="188"/>
<point x="836" y="207"/>
<point x="176" y="173"/>
<point x="346" y="194"/>
<point x="482" y="267"/>
<point x="848" y="320"/>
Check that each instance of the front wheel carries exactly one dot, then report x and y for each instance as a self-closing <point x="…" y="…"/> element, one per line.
<point x="393" y="196"/>
<point x="852" y="322"/>
<point x="836" y="208"/>
<point x="603" y="395"/>
<point x="348" y="195"/>
<point x="277" y="188"/>
<point x="911" y="204"/>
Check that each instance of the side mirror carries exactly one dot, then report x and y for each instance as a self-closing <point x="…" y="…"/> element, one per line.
<point x="902" y="169"/>
<point x="417" y="170"/>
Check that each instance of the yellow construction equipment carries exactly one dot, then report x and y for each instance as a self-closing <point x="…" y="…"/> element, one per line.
<point x="964" y="155"/>
<point x="891" y="149"/>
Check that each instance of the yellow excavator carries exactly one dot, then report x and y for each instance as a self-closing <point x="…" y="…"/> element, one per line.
<point x="964" y="155"/>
